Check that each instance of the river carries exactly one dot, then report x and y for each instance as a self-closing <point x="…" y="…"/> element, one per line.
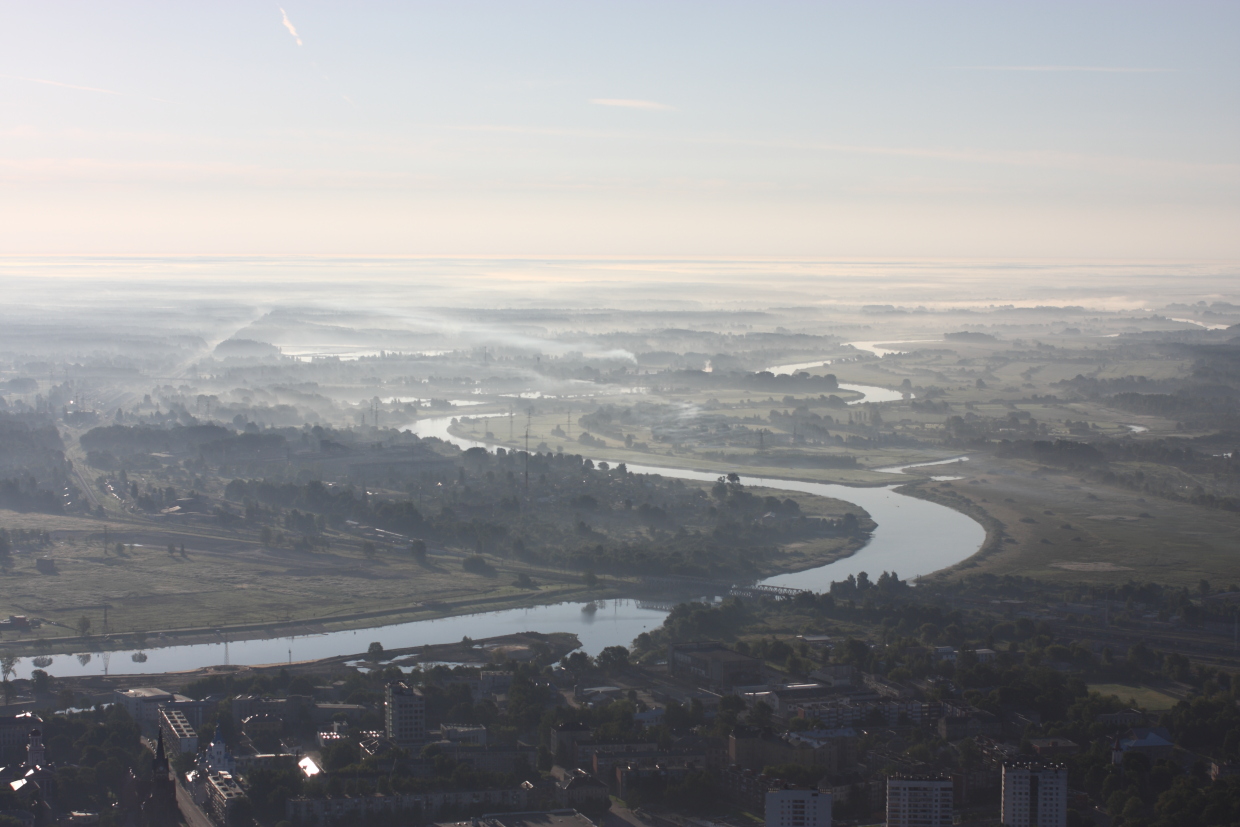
<point x="913" y="537"/>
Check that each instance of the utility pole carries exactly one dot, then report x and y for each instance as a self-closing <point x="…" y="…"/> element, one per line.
<point x="529" y="415"/>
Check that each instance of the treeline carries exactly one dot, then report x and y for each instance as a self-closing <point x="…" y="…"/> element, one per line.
<point x="1062" y="452"/>
<point x="34" y="474"/>
<point x="334" y="503"/>
<point x="126" y="440"/>
<point x="762" y="381"/>
<point x="1209" y="398"/>
<point x="96" y="754"/>
<point x="11" y="537"/>
<point x="574" y="514"/>
<point x="30" y="444"/>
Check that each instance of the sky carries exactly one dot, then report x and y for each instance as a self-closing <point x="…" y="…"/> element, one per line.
<point x="1048" y="130"/>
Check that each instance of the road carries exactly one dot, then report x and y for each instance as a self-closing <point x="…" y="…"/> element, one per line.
<point x="191" y="812"/>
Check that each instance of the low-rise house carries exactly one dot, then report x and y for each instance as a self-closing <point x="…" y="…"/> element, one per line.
<point x="464" y="734"/>
<point x="836" y="674"/>
<point x="1053" y="747"/>
<point x="835" y="751"/>
<point x="493" y="758"/>
<point x="1125" y="717"/>
<point x="632" y="776"/>
<point x="353" y="809"/>
<point x="1154" y="743"/>
<point x="583" y="792"/>
<point x="543" y="818"/>
<point x="966" y="722"/>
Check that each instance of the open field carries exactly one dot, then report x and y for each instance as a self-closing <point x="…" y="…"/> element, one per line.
<point x="661" y="389"/>
<point x="1147" y="698"/>
<point x="1062" y="528"/>
<point x="227" y="577"/>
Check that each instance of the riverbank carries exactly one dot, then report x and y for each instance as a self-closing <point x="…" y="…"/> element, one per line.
<point x="431" y="610"/>
<point x="521" y="646"/>
<point x="911" y="537"/>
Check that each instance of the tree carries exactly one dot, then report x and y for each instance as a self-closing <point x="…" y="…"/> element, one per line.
<point x="477" y="564"/>
<point x="40" y="682"/>
<point x="418" y="549"/>
<point x="375" y="650"/>
<point x="613" y="658"/>
<point x="590" y="579"/>
<point x="369" y="550"/>
<point x="83" y="625"/>
<point x="8" y="665"/>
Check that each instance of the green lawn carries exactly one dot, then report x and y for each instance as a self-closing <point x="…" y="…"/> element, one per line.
<point x="1147" y="697"/>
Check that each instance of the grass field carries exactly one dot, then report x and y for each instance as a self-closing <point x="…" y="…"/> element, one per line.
<point x="1062" y="528"/>
<point x="228" y="577"/>
<point x="1147" y="698"/>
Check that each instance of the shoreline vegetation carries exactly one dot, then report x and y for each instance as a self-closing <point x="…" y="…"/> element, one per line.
<point x="606" y="589"/>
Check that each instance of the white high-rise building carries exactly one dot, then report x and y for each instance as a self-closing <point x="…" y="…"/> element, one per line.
<point x="919" y="801"/>
<point x="405" y="714"/>
<point x="798" y="808"/>
<point x="1035" y="794"/>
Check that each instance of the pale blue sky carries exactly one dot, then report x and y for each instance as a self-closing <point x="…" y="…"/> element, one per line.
<point x="996" y="129"/>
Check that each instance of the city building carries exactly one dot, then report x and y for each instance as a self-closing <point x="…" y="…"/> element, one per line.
<point x="798" y="808"/>
<point x="405" y="713"/>
<point x="223" y="793"/>
<point x="175" y="728"/>
<point x="919" y="801"/>
<point x="36" y="755"/>
<point x="713" y="665"/>
<point x="216" y="758"/>
<point x="582" y="792"/>
<point x="547" y="818"/>
<point x="1035" y="794"/>
<point x="15" y="736"/>
<point x="143" y="703"/>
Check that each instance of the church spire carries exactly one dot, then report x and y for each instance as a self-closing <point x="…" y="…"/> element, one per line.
<point x="160" y="764"/>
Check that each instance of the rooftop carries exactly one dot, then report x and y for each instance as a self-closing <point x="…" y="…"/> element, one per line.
<point x="548" y="818"/>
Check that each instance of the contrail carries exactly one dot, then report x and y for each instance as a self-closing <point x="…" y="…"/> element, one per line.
<point x="288" y="24"/>
<point x="80" y="88"/>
